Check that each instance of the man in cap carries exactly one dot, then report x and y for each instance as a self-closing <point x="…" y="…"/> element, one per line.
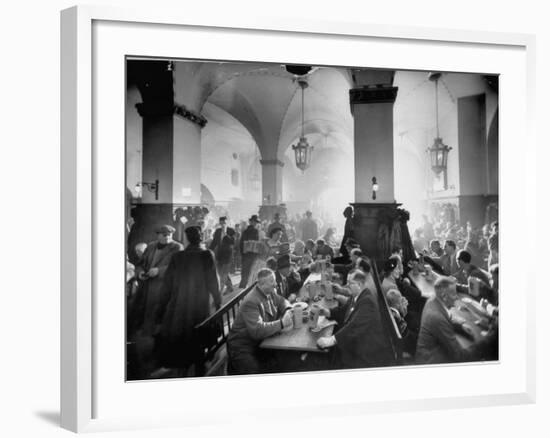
<point x="248" y="254"/>
<point x="150" y="273"/>
<point x="189" y="282"/>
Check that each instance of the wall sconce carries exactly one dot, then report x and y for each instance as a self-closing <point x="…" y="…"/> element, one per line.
<point x="374" y="187"/>
<point x="153" y="187"/>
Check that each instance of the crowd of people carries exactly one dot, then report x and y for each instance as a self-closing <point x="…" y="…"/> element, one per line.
<point x="172" y="288"/>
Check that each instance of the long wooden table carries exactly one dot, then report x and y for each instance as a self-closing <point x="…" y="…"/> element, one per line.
<point x="302" y="339"/>
<point x="466" y="308"/>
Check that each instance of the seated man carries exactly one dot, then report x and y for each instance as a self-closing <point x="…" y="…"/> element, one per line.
<point x="437" y="341"/>
<point x="324" y="250"/>
<point x="355" y="255"/>
<point x="467" y="271"/>
<point x="408" y="328"/>
<point x="359" y="341"/>
<point x="262" y="313"/>
<point x="448" y="260"/>
<point x="288" y="279"/>
<point x="435" y="248"/>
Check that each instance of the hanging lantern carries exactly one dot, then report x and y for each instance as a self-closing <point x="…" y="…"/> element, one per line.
<point x="439" y="151"/>
<point x="302" y="150"/>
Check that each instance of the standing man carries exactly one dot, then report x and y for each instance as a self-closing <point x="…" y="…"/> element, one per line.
<point x="222" y="245"/>
<point x="360" y="342"/>
<point x="251" y="234"/>
<point x="262" y="313"/>
<point x="308" y="228"/>
<point x="150" y="272"/>
<point x="189" y="282"/>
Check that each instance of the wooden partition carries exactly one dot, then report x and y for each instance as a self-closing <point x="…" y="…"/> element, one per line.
<point x="212" y="332"/>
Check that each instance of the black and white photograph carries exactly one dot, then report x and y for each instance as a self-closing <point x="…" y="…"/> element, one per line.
<point x="285" y="218"/>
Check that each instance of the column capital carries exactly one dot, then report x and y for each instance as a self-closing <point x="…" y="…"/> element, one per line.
<point x="158" y="108"/>
<point x="272" y="163"/>
<point x="372" y="94"/>
<point x="190" y="115"/>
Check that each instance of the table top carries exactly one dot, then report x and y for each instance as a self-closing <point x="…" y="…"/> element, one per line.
<point x="298" y="339"/>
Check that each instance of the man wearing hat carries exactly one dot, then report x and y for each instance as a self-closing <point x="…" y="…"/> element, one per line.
<point x="248" y="254"/>
<point x="288" y="280"/>
<point x="222" y="246"/>
<point x="150" y="273"/>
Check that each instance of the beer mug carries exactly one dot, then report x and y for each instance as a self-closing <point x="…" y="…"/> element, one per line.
<point x="310" y="290"/>
<point x="314" y="313"/>
<point x="327" y="286"/>
<point x="473" y="286"/>
<point x="297" y="316"/>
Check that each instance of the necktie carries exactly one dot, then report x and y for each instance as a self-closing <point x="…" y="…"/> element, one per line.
<point x="271" y="306"/>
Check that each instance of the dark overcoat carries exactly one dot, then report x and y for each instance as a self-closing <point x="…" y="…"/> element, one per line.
<point x="189" y="282"/>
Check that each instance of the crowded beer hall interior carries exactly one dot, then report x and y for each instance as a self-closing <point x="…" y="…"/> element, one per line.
<point x="293" y="218"/>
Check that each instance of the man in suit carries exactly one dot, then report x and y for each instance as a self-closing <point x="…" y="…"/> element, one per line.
<point x="437" y="341"/>
<point x="469" y="270"/>
<point x="448" y="261"/>
<point x="288" y="280"/>
<point x="251" y="233"/>
<point x="222" y="245"/>
<point x="360" y="341"/>
<point x="262" y="313"/>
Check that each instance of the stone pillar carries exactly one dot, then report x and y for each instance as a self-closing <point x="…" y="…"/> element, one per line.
<point x="372" y="109"/>
<point x="188" y="123"/>
<point x="272" y="181"/>
<point x="171" y="147"/>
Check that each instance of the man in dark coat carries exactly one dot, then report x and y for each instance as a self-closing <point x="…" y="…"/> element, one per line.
<point x="360" y="342"/>
<point x="222" y="245"/>
<point x="309" y="228"/>
<point x="150" y="272"/>
<point x="189" y="282"/>
<point x="251" y="234"/>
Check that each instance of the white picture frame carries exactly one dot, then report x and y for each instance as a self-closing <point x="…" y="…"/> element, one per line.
<point x="92" y="396"/>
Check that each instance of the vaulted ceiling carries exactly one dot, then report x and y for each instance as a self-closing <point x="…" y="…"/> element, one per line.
<point x="263" y="100"/>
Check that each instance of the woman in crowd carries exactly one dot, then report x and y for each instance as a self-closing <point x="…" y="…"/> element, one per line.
<point x="270" y="247"/>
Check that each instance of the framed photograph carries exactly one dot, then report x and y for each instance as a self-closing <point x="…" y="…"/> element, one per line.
<point x="206" y="164"/>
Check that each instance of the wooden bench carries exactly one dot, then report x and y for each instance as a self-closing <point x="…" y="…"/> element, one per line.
<point x="388" y="321"/>
<point x="212" y="336"/>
